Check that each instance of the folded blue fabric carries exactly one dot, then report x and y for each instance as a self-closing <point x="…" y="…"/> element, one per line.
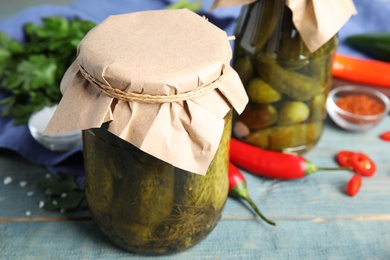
<point x="373" y="16"/>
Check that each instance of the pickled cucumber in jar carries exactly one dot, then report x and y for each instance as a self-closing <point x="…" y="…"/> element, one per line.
<point x="261" y="92"/>
<point x="146" y="205"/>
<point x="293" y="112"/>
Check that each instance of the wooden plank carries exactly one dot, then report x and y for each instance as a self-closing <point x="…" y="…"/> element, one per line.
<point x="315" y="218"/>
<point x="232" y="239"/>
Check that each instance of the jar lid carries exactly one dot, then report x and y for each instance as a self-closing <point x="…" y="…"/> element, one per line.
<point x="161" y="79"/>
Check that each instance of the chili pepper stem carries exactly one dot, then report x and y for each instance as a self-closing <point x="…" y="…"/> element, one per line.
<point x="312" y="168"/>
<point x="241" y="192"/>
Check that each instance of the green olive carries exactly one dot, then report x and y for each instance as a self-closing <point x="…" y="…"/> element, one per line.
<point x="261" y="92"/>
<point x="292" y="112"/>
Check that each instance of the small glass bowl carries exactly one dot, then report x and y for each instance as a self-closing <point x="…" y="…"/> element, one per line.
<point x="59" y="142"/>
<point x="351" y="121"/>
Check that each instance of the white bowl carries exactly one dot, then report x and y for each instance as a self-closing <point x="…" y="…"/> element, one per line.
<point x="55" y="142"/>
<point x="351" y="121"/>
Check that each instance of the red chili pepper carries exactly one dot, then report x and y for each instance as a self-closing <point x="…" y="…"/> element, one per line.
<point x="362" y="164"/>
<point x="385" y="136"/>
<point x="272" y="164"/>
<point x="238" y="189"/>
<point x="353" y="185"/>
<point x="343" y="158"/>
<point x="365" y="71"/>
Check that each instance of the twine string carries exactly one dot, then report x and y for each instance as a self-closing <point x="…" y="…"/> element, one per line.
<point x="149" y="98"/>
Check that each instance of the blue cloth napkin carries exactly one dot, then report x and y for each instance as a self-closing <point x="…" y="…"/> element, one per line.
<point x="373" y="16"/>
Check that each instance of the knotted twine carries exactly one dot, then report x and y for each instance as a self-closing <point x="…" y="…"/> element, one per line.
<point x="148" y="98"/>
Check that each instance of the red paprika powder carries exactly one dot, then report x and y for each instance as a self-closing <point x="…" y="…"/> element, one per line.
<point x="360" y="104"/>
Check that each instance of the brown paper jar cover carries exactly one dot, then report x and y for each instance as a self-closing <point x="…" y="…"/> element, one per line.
<point x="317" y="21"/>
<point x="161" y="79"/>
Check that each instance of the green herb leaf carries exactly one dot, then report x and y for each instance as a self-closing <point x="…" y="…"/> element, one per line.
<point x="32" y="71"/>
<point x="56" y="185"/>
<point x="62" y="193"/>
<point x="194" y="6"/>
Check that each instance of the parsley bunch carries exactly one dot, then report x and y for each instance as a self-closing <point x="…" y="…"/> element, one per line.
<point x="32" y="71"/>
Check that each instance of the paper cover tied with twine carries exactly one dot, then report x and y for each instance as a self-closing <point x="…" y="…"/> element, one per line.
<point x="162" y="81"/>
<point x="317" y="21"/>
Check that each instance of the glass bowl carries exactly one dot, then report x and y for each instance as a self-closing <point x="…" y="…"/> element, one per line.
<point x="352" y="121"/>
<point x="60" y="142"/>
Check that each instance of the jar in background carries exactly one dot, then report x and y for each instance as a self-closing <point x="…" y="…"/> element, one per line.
<point x="287" y="85"/>
<point x="146" y="205"/>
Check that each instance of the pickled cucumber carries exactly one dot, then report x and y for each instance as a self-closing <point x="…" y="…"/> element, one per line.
<point x="244" y="69"/>
<point x="267" y="13"/>
<point x="99" y="187"/>
<point x="258" y="138"/>
<point x="138" y="202"/>
<point x="199" y="199"/>
<point x="318" y="108"/>
<point x="261" y="92"/>
<point x="291" y="51"/>
<point x="287" y="138"/>
<point x="259" y="116"/>
<point x="292" y="112"/>
<point x="293" y="84"/>
<point x="282" y="60"/>
<point x="319" y="66"/>
<point x="152" y="207"/>
<point x="143" y="202"/>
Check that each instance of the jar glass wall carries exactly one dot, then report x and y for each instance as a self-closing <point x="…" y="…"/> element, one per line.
<point x="146" y="205"/>
<point x="287" y="84"/>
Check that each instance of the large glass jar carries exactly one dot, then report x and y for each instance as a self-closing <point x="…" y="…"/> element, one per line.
<point x="146" y="205"/>
<point x="287" y="85"/>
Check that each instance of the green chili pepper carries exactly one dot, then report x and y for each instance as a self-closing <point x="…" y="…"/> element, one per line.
<point x="376" y="45"/>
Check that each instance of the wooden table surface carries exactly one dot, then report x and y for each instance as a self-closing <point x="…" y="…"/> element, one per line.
<point x="316" y="219"/>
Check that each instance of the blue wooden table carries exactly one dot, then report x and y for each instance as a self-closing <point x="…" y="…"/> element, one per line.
<point x="316" y="219"/>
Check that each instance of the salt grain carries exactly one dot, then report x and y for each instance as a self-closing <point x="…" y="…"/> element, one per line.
<point x="30" y="193"/>
<point x="48" y="175"/>
<point x="7" y="180"/>
<point x="28" y="213"/>
<point x="41" y="204"/>
<point x="64" y="195"/>
<point x="55" y="202"/>
<point x="23" y="184"/>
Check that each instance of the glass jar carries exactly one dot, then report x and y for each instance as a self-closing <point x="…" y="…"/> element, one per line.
<point x="287" y="85"/>
<point x="146" y="205"/>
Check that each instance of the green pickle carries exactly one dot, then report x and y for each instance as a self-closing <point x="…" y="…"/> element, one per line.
<point x="291" y="120"/>
<point x="261" y="92"/>
<point x="267" y="21"/>
<point x="146" y="205"/>
<point x="279" y="137"/>
<point x="293" y="112"/>
<point x="258" y="116"/>
<point x="244" y="69"/>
